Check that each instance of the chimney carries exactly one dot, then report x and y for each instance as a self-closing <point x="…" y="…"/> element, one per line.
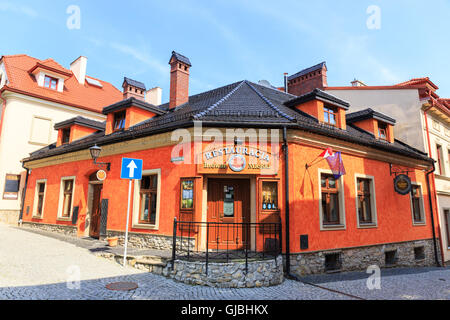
<point x="78" y="67"/>
<point x="133" y="89"/>
<point x="154" y="96"/>
<point x="179" y="79"/>
<point x="308" y="79"/>
<point x="357" y="83"/>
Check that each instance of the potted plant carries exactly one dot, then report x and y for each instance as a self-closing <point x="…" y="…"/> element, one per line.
<point x="112" y="241"/>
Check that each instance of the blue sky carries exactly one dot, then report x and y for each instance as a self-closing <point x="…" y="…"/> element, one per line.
<point x="232" y="40"/>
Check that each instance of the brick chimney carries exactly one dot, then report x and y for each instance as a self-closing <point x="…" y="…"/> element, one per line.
<point x="133" y="88"/>
<point x="179" y="79"/>
<point x="308" y="79"/>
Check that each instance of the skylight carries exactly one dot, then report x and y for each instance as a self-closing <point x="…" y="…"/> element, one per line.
<point x="94" y="82"/>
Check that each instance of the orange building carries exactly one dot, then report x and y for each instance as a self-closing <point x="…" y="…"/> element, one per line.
<point x="241" y="155"/>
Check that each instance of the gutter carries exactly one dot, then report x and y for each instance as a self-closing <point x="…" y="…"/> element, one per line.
<point x="432" y="215"/>
<point x="2" y="115"/>
<point x="286" y="190"/>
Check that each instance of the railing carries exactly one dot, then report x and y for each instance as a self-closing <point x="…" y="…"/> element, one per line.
<point x="225" y="242"/>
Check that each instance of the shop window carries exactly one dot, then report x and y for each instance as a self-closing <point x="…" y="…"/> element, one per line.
<point x="269" y="199"/>
<point x="65" y="136"/>
<point x="330" y="200"/>
<point x="417" y="205"/>
<point x="119" y="120"/>
<point x="187" y="194"/>
<point x="66" y="197"/>
<point x="447" y="225"/>
<point x="12" y="185"/>
<point x="365" y="201"/>
<point x="148" y="199"/>
<point x="50" y="82"/>
<point x="330" y="115"/>
<point x="39" y="198"/>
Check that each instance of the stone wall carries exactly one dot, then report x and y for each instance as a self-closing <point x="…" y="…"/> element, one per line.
<point x="150" y="241"/>
<point x="10" y="217"/>
<point x="56" y="228"/>
<point x="228" y="275"/>
<point x="356" y="259"/>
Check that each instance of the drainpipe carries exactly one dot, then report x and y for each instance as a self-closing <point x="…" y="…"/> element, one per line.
<point x="286" y="190"/>
<point x="432" y="215"/>
<point x="2" y="115"/>
<point x="23" y="196"/>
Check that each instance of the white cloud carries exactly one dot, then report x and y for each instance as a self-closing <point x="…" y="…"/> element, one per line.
<point x="7" y="6"/>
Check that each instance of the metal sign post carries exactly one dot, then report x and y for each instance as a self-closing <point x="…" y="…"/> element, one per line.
<point x="131" y="170"/>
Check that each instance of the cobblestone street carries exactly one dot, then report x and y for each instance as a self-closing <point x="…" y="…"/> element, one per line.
<point x="34" y="266"/>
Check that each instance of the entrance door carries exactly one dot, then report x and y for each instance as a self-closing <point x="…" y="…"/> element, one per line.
<point x="228" y="207"/>
<point x="94" y="230"/>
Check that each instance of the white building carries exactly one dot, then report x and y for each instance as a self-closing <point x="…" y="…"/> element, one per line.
<point x="35" y="95"/>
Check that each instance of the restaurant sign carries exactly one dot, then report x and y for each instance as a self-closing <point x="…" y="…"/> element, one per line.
<point x="402" y="184"/>
<point x="238" y="159"/>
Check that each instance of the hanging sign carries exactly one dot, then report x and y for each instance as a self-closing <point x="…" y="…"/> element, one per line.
<point x="402" y="184"/>
<point x="101" y="175"/>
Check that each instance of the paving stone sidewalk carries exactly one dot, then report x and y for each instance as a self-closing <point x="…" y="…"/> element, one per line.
<point x="34" y="266"/>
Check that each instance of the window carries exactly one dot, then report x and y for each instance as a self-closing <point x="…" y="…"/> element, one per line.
<point x="330" y="200"/>
<point x="41" y="131"/>
<point x="50" y="82"/>
<point x="439" y="159"/>
<point x="187" y="194"/>
<point x="419" y="253"/>
<point x="12" y="185"/>
<point x="447" y="225"/>
<point x="330" y="115"/>
<point x="65" y="136"/>
<point x="269" y="195"/>
<point x="39" y="199"/>
<point x="119" y="120"/>
<point x="417" y="205"/>
<point x="333" y="262"/>
<point x="390" y="257"/>
<point x="66" y="197"/>
<point x="382" y="131"/>
<point x="364" y="201"/>
<point x="148" y="199"/>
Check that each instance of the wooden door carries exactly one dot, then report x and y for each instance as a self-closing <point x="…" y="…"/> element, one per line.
<point x="96" y="213"/>
<point x="228" y="207"/>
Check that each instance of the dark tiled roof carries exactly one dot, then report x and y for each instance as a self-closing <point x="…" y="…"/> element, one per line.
<point x="132" y="102"/>
<point x="181" y="58"/>
<point x="308" y="70"/>
<point x="81" y="121"/>
<point x="240" y="104"/>
<point x="134" y="83"/>
<point x="319" y="95"/>
<point x="368" y="114"/>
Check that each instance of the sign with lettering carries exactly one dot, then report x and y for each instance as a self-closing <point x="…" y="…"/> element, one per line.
<point x="238" y="160"/>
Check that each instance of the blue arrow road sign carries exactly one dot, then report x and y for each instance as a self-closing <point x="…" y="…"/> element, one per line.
<point x="131" y="169"/>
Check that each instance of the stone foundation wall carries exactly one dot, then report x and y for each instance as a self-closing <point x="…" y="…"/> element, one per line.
<point x="56" y="228"/>
<point x="228" y="275"/>
<point x="150" y="241"/>
<point x="357" y="259"/>
<point x="10" y="217"/>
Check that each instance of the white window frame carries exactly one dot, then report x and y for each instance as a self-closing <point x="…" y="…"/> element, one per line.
<point x="136" y="201"/>
<point x="422" y="206"/>
<point x="373" y="201"/>
<point x="61" y="198"/>
<point x="36" y="198"/>
<point x="343" y="224"/>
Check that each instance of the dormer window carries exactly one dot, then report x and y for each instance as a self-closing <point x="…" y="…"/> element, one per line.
<point x="119" y="120"/>
<point x="65" y="136"/>
<point x="382" y="131"/>
<point x="330" y="115"/>
<point x="50" y="82"/>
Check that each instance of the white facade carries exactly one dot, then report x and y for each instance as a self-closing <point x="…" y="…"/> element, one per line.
<point x="407" y="108"/>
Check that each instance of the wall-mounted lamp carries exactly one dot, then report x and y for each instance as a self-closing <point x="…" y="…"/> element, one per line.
<point x="237" y="141"/>
<point x="95" y="153"/>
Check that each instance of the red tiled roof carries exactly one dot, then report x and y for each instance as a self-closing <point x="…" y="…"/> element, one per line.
<point x="85" y="96"/>
<point x="417" y="81"/>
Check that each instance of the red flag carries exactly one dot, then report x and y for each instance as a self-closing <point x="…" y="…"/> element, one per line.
<point x="327" y="153"/>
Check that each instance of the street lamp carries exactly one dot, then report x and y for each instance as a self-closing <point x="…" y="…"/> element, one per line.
<point x="95" y="153"/>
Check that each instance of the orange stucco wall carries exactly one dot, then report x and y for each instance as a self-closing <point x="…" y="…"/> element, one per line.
<point x="393" y="210"/>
